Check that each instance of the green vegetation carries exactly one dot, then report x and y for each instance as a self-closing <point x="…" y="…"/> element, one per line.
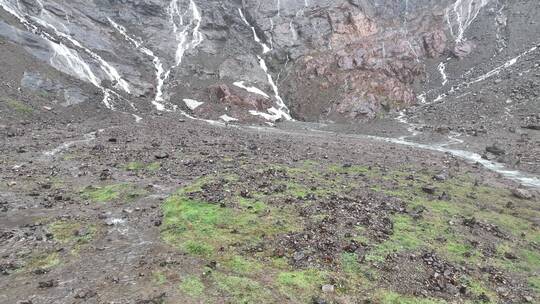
<point x="159" y="278"/>
<point x="138" y="166"/>
<point x="349" y="262"/>
<point x="109" y="193"/>
<point x="242" y="290"/>
<point x="227" y="220"/>
<point x="478" y="289"/>
<point x="198" y="248"/>
<point x="202" y="228"/>
<point x="534" y="283"/>
<point x="72" y="231"/>
<point x="192" y="286"/>
<point x="43" y="261"/>
<point x="243" y="266"/>
<point x="406" y="237"/>
<point x="389" y="297"/>
<point x="18" y="106"/>
<point x="300" y="282"/>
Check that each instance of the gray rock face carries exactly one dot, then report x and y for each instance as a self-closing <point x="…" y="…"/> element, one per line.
<point x="66" y="96"/>
<point x="314" y="59"/>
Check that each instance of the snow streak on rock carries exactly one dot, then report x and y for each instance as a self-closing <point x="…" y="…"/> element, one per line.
<point x="158" y="100"/>
<point x="282" y="111"/>
<point x="106" y="67"/>
<point x="504" y="66"/>
<point x="181" y="30"/>
<point x="68" y="59"/>
<point x="461" y="15"/>
<point x="442" y="70"/>
<point x="241" y="84"/>
<point x="509" y="63"/>
<point x="227" y="118"/>
<point x="192" y="104"/>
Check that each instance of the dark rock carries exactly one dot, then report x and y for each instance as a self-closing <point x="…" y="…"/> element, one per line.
<point x="85" y="294"/>
<point x="317" y="300"/>
<point x="47" y="284"/>
<point x="510" y="256"/>
<point x="470" y="222"/>
<point x="496" y="150"/>
<point x="40" y="271"/>
<point x="532" y="127"/>
<point x="153" y="300"/>
<point x="429" y="189"/>
<point x="484" y="298"/>
<point x="445" y="196"/>
<point x="245" y="194"/>
<point x="441" y="177"/>
<point x="161" y="155"/>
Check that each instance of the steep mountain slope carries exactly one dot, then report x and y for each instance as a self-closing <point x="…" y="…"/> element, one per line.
<point x="326" y="60"/>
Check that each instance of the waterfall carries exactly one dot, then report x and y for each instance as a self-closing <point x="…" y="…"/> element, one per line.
<point x="461" y="15"/>
<point x="68" y="59"/>
<point x="282" y="111"/>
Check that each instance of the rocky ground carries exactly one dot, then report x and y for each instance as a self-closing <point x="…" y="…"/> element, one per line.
<point x="171" y="210"/>
<point x="124" y="180"/>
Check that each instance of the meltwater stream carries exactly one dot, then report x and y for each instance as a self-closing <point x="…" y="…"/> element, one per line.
<point x="312" y="129"/>
<point x="523" y="178"/>
<point x="282" y="111"/>
<point x="515" y="175"/>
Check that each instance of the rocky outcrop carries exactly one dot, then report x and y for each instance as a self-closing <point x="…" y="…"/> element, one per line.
<point x="325" y="60"/>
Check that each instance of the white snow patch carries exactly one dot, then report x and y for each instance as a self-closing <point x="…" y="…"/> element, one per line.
<point x="227" y="118"/>
<point x="241" y="84"/>
<point x="192" y="104"/>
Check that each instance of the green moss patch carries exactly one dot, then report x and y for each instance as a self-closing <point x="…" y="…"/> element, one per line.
<point x="72" y="231"/>
<point x="108" y="193"/>
<point x="139" y="166"/>
<point x="242" y="290"/>
<point x="192" y="286"/>
<point x="203" y="228"/>
<point x="18" y="106"/>
<point x="395" y="298"/>
<point x="250" y="228"/>
<point x="43" y="261"/>
<point x="159" y="278"/>
<point x="301" y="283"/>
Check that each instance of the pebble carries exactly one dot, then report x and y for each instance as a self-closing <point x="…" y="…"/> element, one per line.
<point x="161" y="155"/>
<point x="328" y="288"/>
<point x="429" y="189"/>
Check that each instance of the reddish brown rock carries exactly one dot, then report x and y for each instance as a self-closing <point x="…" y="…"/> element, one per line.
<point x="435" y="43"/>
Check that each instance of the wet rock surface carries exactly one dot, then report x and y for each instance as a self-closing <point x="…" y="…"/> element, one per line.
<point x="328" y="60"/>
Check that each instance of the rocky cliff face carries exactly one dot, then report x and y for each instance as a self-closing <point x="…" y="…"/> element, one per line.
<point x="315" y="60"/>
